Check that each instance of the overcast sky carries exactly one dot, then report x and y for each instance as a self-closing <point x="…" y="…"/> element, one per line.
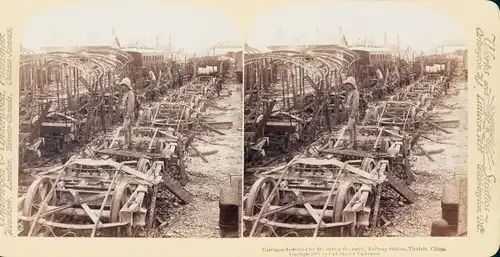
<point x="419" y="27"/>
<point x="191" y="27"/>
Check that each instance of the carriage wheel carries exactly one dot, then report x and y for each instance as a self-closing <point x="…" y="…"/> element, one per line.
<point x="258" y="194"/>
<point x="121" y="194"/>
<point x="368" y="164"/>
<point x="143" y="165"/>
<point x="345" y="193"/>
<point x="37" y="192"/>
<point x="385" y="144"/>
<point x="160" y="145"/>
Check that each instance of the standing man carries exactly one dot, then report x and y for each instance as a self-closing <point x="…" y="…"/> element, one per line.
<point x="351" y="106"/>
<point x="128" y="106"/>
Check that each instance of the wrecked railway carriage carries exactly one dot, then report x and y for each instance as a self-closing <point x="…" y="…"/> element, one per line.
<point x="105" y="190"/>
<point x="66" y="97"/>
<point x="291" y="94"/>
<point x="299" y="176"/>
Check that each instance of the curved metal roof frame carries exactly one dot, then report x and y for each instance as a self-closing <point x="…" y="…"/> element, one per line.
<point x="104" y="62"/>
<point x="311" y="56"/>
<point x="284" y="59"/>
<point x="325" y="56"/>
<point x="55" y="60"/>
<point x="125" y="55"/>
<point x="75" y="60"/>
<point x="78" y="56"/>
<point x="333" y="60"/>
<point x="331" y="53"/>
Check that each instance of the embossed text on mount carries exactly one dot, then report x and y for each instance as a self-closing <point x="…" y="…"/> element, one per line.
<point x="6" y="162"/>
<point x="485" y="137"/>
<point x="6" y="57"/>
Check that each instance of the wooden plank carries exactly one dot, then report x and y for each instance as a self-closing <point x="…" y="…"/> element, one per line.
<point x="355" y="153"/>
<point x="309" y="208"/>
<point x="177" y="189"/>
<point x="400" y="186"/>
<point x="364" y="176"/>
<point x="130" y="154"/>
<point x="198" y="153"/>
<point x="123" y="153"/>
<point x="205" y="125"/>
<point x="85" y="207"/>
<point x="313" y="213"/>
<point x="447" y="123"/>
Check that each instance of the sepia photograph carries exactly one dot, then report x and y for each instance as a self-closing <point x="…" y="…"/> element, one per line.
<point x="355" y="123"/>
<point x="212" y="128"/>
<point x="130" y="122"/>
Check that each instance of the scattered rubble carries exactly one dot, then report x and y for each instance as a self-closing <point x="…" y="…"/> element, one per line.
<point x="99" y="188"/>
<point x="301" y="176"/>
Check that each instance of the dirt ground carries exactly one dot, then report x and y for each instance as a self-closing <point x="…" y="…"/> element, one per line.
<point x="200" y="218"/>
<point x="415" y="220"/>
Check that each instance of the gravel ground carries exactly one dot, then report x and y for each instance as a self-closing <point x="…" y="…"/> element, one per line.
<point x="415" y="220"/>
<point x="200" y="218"/>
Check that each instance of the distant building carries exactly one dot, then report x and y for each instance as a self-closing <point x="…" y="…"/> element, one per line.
<point x="450" y="49"/>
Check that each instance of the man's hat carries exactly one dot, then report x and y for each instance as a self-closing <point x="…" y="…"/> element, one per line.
<point x="352" y="81"/>
<point x="126" y="82"/>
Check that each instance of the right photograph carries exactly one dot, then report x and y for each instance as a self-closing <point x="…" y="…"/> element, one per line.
<point x="355" y="122"/>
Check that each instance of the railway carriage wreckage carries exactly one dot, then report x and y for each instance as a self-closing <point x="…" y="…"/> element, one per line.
<point x="71" y="98"/>
<point x="301" y="179"/>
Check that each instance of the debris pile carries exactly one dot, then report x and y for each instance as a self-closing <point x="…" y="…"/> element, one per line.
<point x="106" y="188"/>
<point x="303" y="174"/>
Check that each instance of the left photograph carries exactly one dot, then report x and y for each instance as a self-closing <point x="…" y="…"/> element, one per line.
<point x="130" y="122"/>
